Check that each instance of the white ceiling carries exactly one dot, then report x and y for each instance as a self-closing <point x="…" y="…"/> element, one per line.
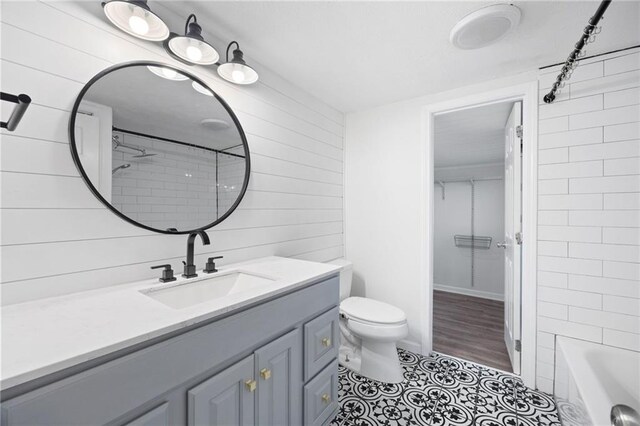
<point x="472" y="136"/>
<point x="359" y="54"/>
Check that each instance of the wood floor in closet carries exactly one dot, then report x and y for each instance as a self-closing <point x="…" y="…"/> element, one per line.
<point x="470" y="328"/>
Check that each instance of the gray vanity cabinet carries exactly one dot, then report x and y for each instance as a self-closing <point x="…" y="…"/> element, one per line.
<point x="246" y="368"/>
<point x="228" y="398"/>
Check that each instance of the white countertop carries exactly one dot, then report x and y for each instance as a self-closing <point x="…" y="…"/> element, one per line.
<point x="47" y="335"/>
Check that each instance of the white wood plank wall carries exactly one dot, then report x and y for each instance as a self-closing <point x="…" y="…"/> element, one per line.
<point x="56" y="238"/>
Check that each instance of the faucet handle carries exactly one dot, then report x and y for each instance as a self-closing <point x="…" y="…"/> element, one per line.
<point x="167" y="273"/>
<point x="211" y="264"/>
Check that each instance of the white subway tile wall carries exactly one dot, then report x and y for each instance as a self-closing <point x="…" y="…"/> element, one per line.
<point x="58" y="238"/>
<point x="179" y="186"/>
<point x="589" y="208"/>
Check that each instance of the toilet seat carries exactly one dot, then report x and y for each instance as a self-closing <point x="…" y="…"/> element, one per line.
<point x="372" y="312"/>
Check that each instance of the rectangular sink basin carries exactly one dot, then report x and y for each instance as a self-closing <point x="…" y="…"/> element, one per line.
<point x="187" y="294"/>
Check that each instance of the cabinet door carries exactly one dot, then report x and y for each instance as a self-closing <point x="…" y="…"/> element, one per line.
<point x="227" y="398"/>
<point x="279" y="375"/>
<point x="159" y="416"/>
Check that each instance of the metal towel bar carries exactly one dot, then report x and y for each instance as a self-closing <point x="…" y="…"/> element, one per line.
<point x="22" y="102"/>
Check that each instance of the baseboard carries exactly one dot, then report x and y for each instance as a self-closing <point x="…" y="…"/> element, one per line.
<point x="410" y="345"/>
<point x="469" y="292"/>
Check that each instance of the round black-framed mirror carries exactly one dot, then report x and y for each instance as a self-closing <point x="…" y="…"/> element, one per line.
<point x="159" y="147"/>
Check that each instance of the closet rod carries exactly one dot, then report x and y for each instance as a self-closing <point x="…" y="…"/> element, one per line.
<point x="440" y="181"/>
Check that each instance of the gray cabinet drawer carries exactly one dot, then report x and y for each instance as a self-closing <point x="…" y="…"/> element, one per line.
<point x="321" y="342"/>
<point x="321" y="396"/>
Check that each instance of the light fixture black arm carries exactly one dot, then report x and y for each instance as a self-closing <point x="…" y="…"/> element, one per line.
<point x="186" y="25"/>
<point x="229" y="47"/>
<point x="571" y="62"/>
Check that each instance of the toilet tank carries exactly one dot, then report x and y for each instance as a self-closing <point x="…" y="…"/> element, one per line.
<point x="346" y="275"/>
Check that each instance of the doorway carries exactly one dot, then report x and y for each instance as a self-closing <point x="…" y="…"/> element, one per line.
<point x="476" y="270"/>
<point x="481" y="177"/>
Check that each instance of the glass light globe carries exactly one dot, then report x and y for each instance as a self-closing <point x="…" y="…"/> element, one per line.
<point x="194" y="53"/>
<point x="136" y="19"/>
<point x="138" y="24"/>
<point x="168" y="73"/>
<point x="238" y="76"/>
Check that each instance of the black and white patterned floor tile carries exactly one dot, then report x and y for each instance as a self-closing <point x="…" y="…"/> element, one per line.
<point x="442" y="391"/>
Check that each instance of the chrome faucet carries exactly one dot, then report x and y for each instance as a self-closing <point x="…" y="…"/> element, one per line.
<point x="189" y="267"/>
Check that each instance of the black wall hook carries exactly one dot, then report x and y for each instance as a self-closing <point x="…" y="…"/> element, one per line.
<point x="22" y="102"/>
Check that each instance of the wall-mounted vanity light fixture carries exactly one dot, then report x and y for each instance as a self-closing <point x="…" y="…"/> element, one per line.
<point x="134" y="17"/>
<point x="191" y="48"/>
<point x="237" y="71"/>
<point x="168" y="73"/>
<point x="201" y="89"/>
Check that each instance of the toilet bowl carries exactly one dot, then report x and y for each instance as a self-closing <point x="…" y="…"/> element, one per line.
<point x="369" y="331"/>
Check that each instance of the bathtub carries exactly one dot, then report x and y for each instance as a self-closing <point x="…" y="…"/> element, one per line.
<point x="591" y="378"/>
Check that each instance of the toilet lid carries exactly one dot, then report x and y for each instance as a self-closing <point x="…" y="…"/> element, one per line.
<point x="370" y="310"/>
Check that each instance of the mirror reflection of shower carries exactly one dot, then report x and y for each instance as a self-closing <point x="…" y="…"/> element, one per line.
<point x="124" y="166"/>
<point x="117" y="144"/>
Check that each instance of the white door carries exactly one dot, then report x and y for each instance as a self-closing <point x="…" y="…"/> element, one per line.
<point x="87" y="135"/>
<point x="512" y="229"/>
<point x="93" y="133"/>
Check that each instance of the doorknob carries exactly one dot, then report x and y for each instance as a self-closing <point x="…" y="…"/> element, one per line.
<point x="502" y="245"/>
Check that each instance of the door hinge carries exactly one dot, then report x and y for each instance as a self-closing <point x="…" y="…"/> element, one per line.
<point x="519" y="238"/>
<point x="519" y="131"/>
<point x="518" y="346"/>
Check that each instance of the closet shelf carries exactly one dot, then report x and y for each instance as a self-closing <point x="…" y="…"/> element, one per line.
<point x="472" y="241"/>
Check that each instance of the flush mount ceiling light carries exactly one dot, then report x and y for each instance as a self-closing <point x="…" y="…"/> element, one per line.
<point x="168" y="73"/>
<point x="485" y="26"/>
<point x="201" y="89"/>
<point x="214" y="124"/>
<point x="191" y="47"/>
<point x="237" y="71"/>
<point x="136" y="18"/>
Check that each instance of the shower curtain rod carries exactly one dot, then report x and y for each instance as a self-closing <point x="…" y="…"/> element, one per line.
<point x="588" y="36"/>
<point x="144" y="135"/>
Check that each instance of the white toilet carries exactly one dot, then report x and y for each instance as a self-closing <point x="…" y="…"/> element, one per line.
<point x="369" y="332"/>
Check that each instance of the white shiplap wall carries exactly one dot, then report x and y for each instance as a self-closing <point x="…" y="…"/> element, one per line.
<point x="589" y="208"/>
<point x="57" y="238"/>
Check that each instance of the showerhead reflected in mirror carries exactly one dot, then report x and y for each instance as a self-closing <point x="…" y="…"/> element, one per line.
<point x="159" y="147"/>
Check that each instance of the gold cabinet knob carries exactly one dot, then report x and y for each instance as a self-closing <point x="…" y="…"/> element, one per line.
<point x="326" y="398"/>
<point x="326" y="342"/>
<point x="265" y="373"/>
<point x="250" y="385"/>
